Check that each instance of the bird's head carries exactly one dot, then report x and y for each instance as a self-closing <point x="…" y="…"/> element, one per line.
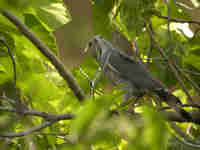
<point x="97" y="46"/>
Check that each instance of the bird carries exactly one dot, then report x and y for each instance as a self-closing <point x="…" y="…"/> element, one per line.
<point x="120" y="68"/>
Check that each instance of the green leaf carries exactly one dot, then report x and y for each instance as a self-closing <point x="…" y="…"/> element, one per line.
<point x="133" y="13"/>
<point x="101" y="11"/>
<point x="8" y="41"/>
<point x="41" y="91"/>
<point x="193" y="60"/>
<point x="53" y="15"/>
<point x="155" y="128"/>
<point x="38" y="28"/>
<point x="8" y="73"/>
<point x="15" y="6"/>
<point x="195" y="52"/>
<point x="2" y="69"/>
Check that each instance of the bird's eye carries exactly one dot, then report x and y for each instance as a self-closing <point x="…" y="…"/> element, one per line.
<point x="90" y="44"/>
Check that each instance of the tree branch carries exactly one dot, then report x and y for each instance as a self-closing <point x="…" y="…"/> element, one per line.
<point x="47" y="116"/>
<point x="48" y="53"/>
<point x="44" y="115"/>
<point x="185" y="139"/>
<point x="28" y="131"/>
<point x="171" y="116"/>
<point x="175" y="117"/>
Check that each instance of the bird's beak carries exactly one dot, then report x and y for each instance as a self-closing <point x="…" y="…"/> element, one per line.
<point x="89" y="44"/>
<point x="86" y="48"/>
<point x="92" y="42"/>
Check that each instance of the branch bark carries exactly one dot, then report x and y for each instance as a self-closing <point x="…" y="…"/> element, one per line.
<point x="50" y="119"/>
<point x="44" y="115"/>
<point x="28" y="131"/>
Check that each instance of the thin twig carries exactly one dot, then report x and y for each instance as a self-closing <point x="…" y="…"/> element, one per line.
<point x="63" y="136"/>
<point x="191" y="105"/>
<point x="9" y="100"/>
<point x="8" y="109"/>
<point x="170" y="64"/>
<point x="191" y="72"/>
<point x="155" y="59"/>
<point x="173" y="69"/>
<point x="48" y="53"/>
<point x="184" y="141"/>
<point x="184" y="138"/>
<point x="151" y="43"/>
<point x="97" y="91"/>
<point x="183" y="105"/>
<point x="47" y="116"/>
<point x="178" y="20"/>
<point x="17" y="103"/>
<point x="196" y="87"/>
<point x="172" y="116"/>
<point x="14" y="66"/>
<point x="44" y="115"/>
<point x="168" y="20"/>
<point x="137" y="53"/>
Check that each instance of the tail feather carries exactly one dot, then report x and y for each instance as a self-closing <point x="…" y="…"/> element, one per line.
<point x="173" y="102"/>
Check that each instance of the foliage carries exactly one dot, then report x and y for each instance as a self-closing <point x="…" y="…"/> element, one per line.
<point x="96" y="125"/>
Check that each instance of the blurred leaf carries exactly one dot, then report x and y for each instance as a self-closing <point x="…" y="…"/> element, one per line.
<point x="155" y="128"/>
<point x="87" y="114"/>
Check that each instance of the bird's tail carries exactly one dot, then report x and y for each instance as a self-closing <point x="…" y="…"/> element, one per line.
<point x="173" y="102"/>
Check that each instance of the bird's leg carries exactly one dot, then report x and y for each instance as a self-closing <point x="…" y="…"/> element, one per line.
<point x="132" y="96"/>
<point x="132" y="105"/>
<point x="99" y="73"/>
<point x="95" y="80"/>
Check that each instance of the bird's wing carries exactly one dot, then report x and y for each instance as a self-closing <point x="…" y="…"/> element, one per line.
<point x="131" y="70"/>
